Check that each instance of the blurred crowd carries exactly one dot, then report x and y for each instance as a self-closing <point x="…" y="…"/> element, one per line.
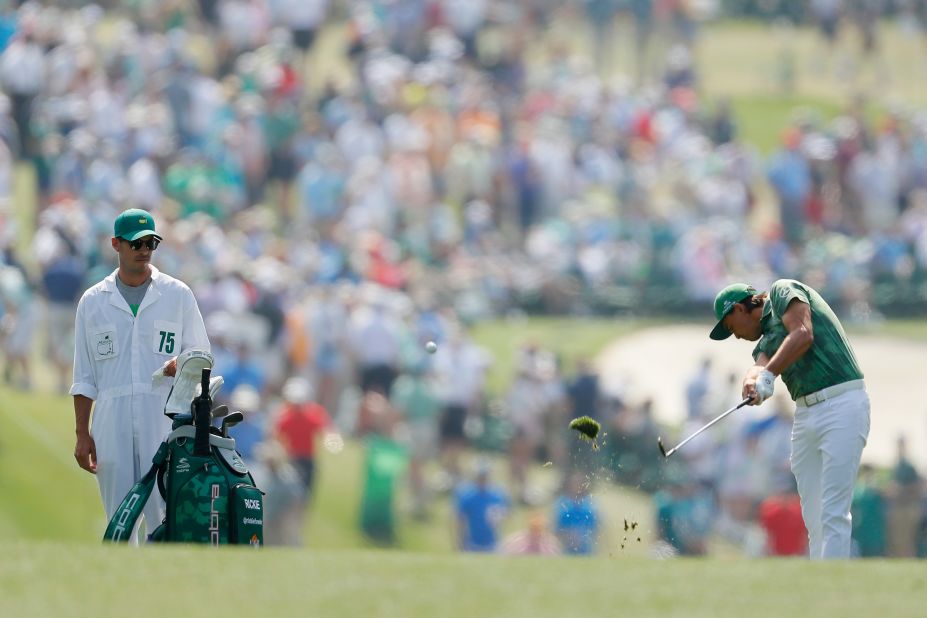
<point x="444" y="165"/>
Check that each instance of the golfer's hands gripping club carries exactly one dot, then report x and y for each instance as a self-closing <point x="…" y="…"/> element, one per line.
<point x="759" y="386"/>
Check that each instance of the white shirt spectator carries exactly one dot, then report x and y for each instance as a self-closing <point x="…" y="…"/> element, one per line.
<point x="359" y="138"/>
<point x="298" y="14"/>
<point x="465" y="17"/>
<point x="460" y="370"/>
<point x="144" y="185"/>
<point x="22" y="68"/>
<point x="244" y="23"/>
<point x="373" y="336"/>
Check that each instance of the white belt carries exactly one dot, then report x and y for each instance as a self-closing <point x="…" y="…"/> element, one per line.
<point x="829" y="393"/>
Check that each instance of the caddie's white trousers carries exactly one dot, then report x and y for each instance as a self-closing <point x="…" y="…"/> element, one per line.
<point x="827" y="441"/>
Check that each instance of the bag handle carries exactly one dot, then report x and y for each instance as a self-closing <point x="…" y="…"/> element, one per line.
<point x="202" y="416"/>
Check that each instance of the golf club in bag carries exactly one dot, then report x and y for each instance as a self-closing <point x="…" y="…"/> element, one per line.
<point x="209" y="493"/>
<point x="667" y="453"/>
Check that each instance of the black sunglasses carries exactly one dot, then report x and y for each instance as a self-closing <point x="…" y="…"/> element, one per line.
<point x="152" y="243"/>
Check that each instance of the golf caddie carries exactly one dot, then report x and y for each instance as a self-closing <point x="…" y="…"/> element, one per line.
<point x="800" y="339"/>
<point x="129" y="327"/>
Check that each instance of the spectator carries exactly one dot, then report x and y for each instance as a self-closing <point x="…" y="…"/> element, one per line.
<point x="576" y="517"/>
<point x="385" y="460"/>
<point x="283" y="495"/>
<point x="780" y="516"/>
<point x="22" y="73"/>
<point x="414" y="397"/>
<point x="633" y="433"/>
<point x="298" y="425"/>
<point x="535" y="540"/>
<point x="869" y="520"/>
<point x="460" y="373"/>
<point x="697" y="389"/>
<point x="374" y="340"/>
<point x="905" y="506"/>
<point x="790" y="177"/>
<point x="17" y="324"/>
<point x="479" y="509"/>
<point x="525" y="405"/>
<point x="244" y="371"/>
<point x="63" y="279"/>
<point x="251" y="431"/>
<point x="584" y="400"/>
<point x="683" y="515"/>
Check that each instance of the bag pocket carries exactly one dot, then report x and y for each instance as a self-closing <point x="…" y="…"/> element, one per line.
<point x="247" y="515"/>
<point x="199" y="509"/>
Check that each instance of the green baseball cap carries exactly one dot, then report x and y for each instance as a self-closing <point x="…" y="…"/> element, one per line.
<point x="133" y="224"/>
<point x="724" y="302"/>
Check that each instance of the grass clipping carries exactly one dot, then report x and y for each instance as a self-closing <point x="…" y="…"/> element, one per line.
<point x="587" y="427"/>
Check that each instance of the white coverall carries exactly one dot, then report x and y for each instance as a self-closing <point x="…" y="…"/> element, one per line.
<point x="115" y="355"/>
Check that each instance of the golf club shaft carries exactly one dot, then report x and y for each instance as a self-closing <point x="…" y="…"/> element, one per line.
<point x="712" y="422"/>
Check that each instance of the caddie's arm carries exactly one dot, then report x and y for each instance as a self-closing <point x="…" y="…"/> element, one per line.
<point x="194" y="328"/>
<point x="85" y="450"/>
<point x="84" y="390"/>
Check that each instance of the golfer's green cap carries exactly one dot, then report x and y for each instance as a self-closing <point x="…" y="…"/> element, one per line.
<point x="724" y="302"/>
<point x="133" y="224"/>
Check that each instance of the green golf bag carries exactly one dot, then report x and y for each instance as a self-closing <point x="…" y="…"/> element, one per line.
<point x="209" y="492"/>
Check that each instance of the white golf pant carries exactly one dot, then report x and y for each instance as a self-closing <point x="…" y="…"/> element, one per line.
<point x="827" y="442"/>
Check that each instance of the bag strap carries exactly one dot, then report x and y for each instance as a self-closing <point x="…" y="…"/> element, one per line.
<point x="123" y="522"/>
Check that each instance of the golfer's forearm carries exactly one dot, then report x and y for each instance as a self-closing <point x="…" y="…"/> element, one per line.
<point x="82" y="406"/>
<point x="792" y="349"/>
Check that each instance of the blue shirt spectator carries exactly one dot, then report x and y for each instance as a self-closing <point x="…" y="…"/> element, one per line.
<point x="575" y="518"/>
<point x="479" y="510"/>
<point x="789" y="173"/>
<point x="250" y="431"/>
<point x="63" y="280"/>
<point x="243" y="371"/>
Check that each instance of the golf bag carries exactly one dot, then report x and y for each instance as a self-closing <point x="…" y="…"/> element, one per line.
<point x="209" y="492"/>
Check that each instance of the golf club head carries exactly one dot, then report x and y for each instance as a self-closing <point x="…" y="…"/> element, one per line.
<point x="231" y="419"/>
<point x="662" y="449"/>
<point x="219" y="412"/>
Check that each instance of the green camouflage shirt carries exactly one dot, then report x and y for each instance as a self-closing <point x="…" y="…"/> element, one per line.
<point x="829" y="360"/>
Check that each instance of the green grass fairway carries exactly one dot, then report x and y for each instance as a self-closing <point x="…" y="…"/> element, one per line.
<point x="54" y="579"/>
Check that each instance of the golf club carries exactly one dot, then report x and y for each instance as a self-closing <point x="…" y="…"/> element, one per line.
<point x="667" y="453"/>
<point x="219" y="412"/>
<point x="232" y="419"/>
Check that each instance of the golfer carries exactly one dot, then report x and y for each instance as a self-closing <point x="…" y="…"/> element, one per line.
<point x="134" y="322"/>
<point x="800" y="339"/>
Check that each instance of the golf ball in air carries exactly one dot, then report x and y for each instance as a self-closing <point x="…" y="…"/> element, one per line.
<point x="431" y="347"/>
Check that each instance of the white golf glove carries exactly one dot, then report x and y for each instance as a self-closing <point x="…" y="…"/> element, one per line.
<point x="765" y="382"/>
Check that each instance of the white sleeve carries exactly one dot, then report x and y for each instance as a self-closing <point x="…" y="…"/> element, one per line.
<point x="85" y="382"/>
<point x="194" y="329"/>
